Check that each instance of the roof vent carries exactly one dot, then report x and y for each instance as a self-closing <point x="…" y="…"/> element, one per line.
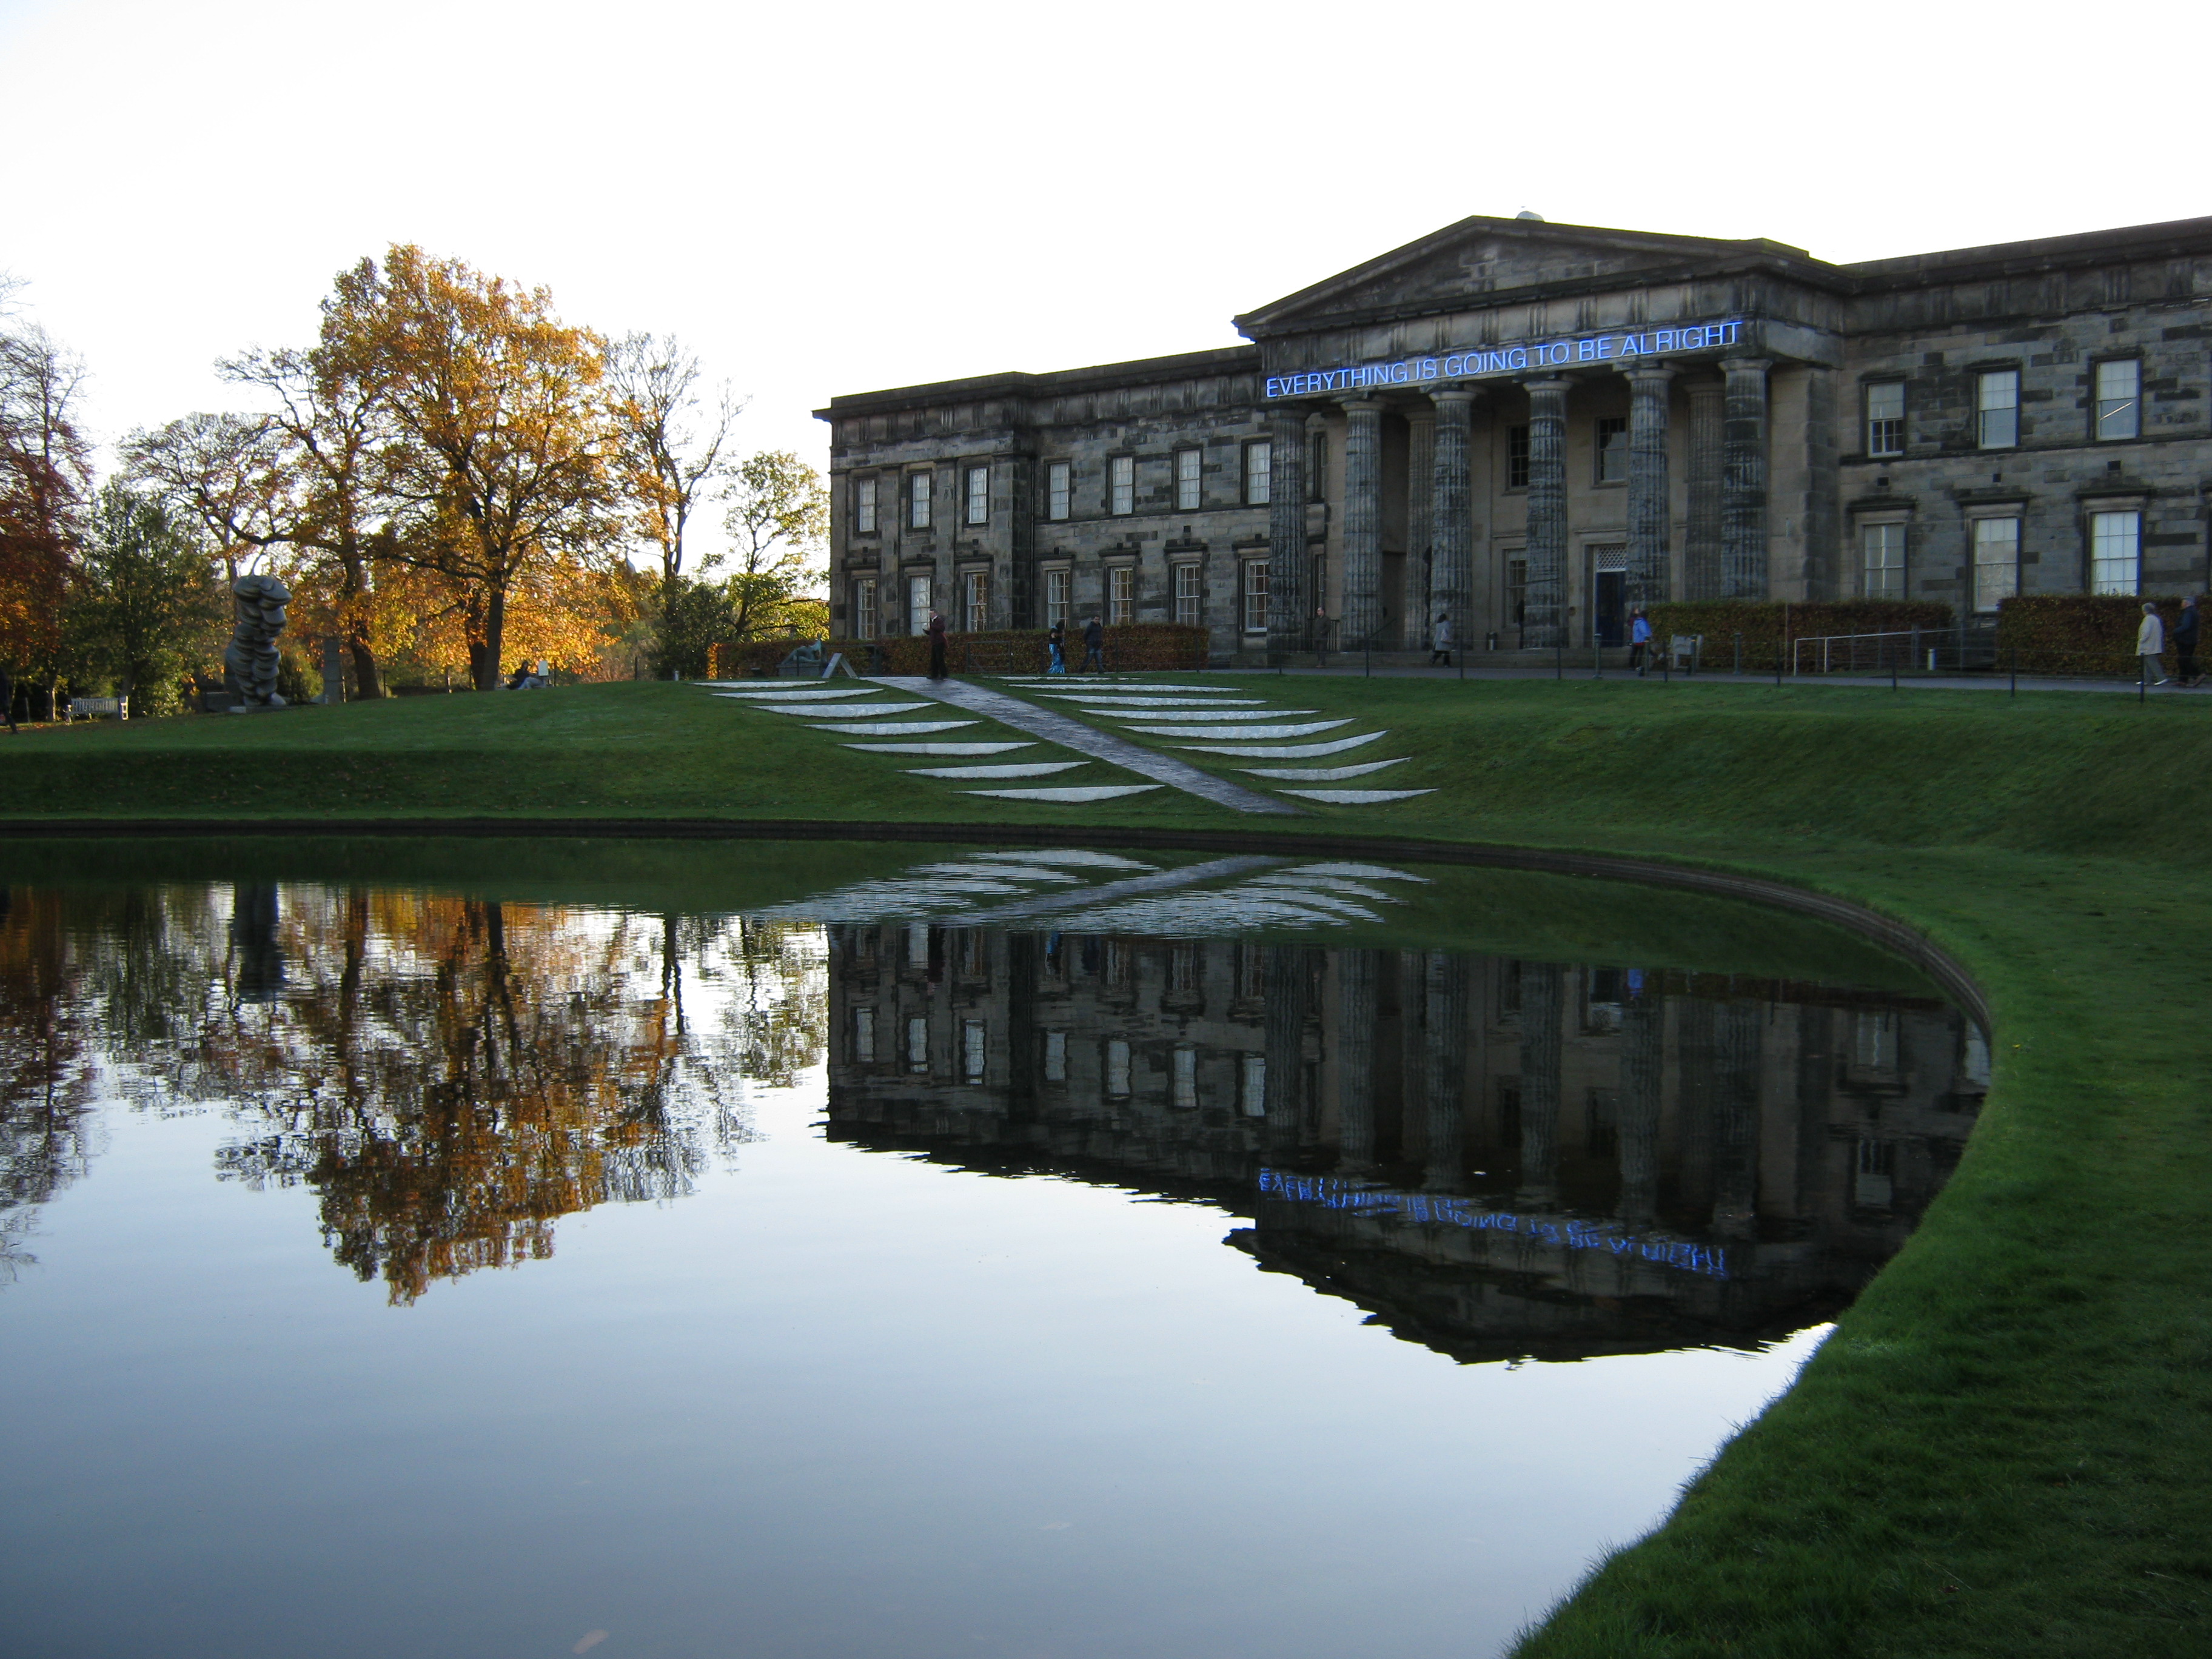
<point x="1531" y="214"/>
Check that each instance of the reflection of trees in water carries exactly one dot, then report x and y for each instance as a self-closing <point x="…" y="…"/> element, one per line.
<point x="45" y="1086"/>
<point x="450" y="1075"/>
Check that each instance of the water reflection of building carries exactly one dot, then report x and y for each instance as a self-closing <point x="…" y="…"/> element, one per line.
<point x="1497" y="1156"/>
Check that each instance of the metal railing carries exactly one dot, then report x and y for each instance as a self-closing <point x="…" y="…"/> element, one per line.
<point x="1917" y="650"/>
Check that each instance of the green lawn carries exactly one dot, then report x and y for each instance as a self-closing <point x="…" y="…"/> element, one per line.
<point x="2007" y="1447"/>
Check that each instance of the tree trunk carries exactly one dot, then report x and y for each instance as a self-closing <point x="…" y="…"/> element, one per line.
<point x="365" y="684"/>
<point x="484" y="655"/>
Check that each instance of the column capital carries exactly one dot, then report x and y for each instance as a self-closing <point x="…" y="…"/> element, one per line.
<point x="1364" y="405"/>
<point x="1653" y="374"/>
<point x="1559" y="383"/>
<point x="1464" y="396"/>
<point x="1746" y="365"/>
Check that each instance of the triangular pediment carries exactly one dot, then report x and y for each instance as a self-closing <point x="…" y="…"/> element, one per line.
<point x="1480" y="256"/>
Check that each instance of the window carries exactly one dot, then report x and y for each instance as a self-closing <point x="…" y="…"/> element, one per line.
<point x="917" y="1045"/>
<point x="1613" y="449"/>
<point x="1885" y="418"/>
<point x="978" y="495"/>
<point x="1517" y="592"/>
<point x="864" y="505"/>
<point x="1056" y="1056"/>
<point x="1517" y="458"/>
<point x="1189" y="473"/>
<point x="1059" y="490"/>
<point x="864" y="1036"/>
<point x="1121" y="594"/>
<point x="917" y="605"/>
<point x="917" y="501"/>
<point x="1121" y="485"/>
<point x="1873" y="1039"/>
<point x="1189" y="601"/>
<point x="1259" y="473"/>
<point x="1186" y="1077"/>
<point x="1255" y="596"/>
<point x="2115" y="552"/>
<point x="917" y="944"/>
<point x="1881" y="561"/>
<point x="976" y="601"/>
<point x="1317" y="467"/>
<point x="1252" y="1086"/>
<point x="864" y="608"/>
<point x="1996" y="562"/>
<point x="2119" y="399"/>
<point x="1117" y="1066"/>
<point x="972" y="1049"/>
<point x="1055" y="597"/>
<point x="1996" y="409"/>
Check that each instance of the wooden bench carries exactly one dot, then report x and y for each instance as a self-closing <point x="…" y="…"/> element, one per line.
<point x="88" y="708"/>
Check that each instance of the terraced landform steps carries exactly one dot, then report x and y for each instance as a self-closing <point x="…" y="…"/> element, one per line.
<point x="861" y="710"/>
<point x="1259" y="732"/>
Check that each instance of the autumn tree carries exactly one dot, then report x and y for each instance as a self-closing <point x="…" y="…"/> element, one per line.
<point x="779" y="527"/>
<point x="495" y="442"/>
<point x="45" y="485"/>
<point x="227" y="472"/>
<point x="670" y="434"/>
<point x="144" y="605"/>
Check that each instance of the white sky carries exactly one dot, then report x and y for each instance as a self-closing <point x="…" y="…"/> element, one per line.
<point x="838" y="197"/>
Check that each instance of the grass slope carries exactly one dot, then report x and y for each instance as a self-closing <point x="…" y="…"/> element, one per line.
<point x="2005" y="1448"/>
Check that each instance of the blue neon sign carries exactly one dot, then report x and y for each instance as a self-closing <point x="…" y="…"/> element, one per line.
<point x="1508" y="360"/>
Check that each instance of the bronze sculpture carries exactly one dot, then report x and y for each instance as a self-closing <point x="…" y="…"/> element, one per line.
<point x="250" y="662"/>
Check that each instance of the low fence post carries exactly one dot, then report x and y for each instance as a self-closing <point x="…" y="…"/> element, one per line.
<point x="1738" y="654"/>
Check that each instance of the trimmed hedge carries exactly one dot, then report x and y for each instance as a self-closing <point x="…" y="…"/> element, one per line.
<point x="1762" y="622"/>
<point x="2076" y="633"/>
<point x="1012" y="651"/>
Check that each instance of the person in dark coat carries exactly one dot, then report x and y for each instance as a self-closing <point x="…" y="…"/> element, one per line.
<point x="936" y="646"/>
<point x="1093" y="646"/>
<point x="7" y="702"/>
<point x="2183" y="641"/>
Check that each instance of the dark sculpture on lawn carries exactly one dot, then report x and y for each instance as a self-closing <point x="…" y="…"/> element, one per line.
<point x="250" y="664"/>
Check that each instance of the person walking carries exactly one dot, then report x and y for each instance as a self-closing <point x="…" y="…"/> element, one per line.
<point x="2150" y="646"/>
<point x="1093" y="646"/>
<point x="2185" y="643"/>
<point x="1055" y="648"/>
<point x="1440" y="642"/>
<point x="1639" y="640"/>
<point x="936" y="646"/>
<point x="7" y="702"/>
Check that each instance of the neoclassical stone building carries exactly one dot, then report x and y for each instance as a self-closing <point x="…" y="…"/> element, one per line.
<point x="1529" y="427"/>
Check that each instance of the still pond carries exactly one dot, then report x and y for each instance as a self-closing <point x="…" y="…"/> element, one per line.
<point x="875" y="1253"/>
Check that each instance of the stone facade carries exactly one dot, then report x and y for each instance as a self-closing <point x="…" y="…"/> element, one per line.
<point x="1530" y="428"/>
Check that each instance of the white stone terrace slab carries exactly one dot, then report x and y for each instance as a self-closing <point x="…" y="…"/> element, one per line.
<point x="1020" y="769"/>
<point x="1104" y="699"/>
<point x="839" y="711"/>
<point x="801" y="693"/>
<point x="1073" y="734"/>
<point x="1128" y="716"/>
<point x="1358" y="796"/>
<point x="1321" y="773"/>
<point x="1288" y="750"/>
<point x="1071" y="797"/>
<point x="933" y="748"/>
<point x="1305" y="730"/>
<point x="892" y="728"/>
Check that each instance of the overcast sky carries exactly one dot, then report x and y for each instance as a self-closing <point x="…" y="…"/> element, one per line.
<point x="829" y="197"/>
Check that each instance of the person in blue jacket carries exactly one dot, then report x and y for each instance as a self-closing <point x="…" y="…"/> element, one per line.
<point x="1639" y="640"/>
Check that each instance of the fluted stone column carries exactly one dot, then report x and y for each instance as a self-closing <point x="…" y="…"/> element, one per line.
<point x="1421" y="527"/>
<point x="1451" y="522"/>
<point x="1642" y="1061"/>
<point x="1542" y="999"/>
<point x="1283" y="971"/>
<point x="1702" y="563"/>
<point x="1290" y="611"/>
<point x="1736" y="1032"/>
<point x="1444" y="1056"/>
<point x="1647" y="484"/>
<point x="1355" y="1063"/>
<point x="1363" y="523"/>
<point x="1548" y="513"/>
<point x="1743" y="479"/>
